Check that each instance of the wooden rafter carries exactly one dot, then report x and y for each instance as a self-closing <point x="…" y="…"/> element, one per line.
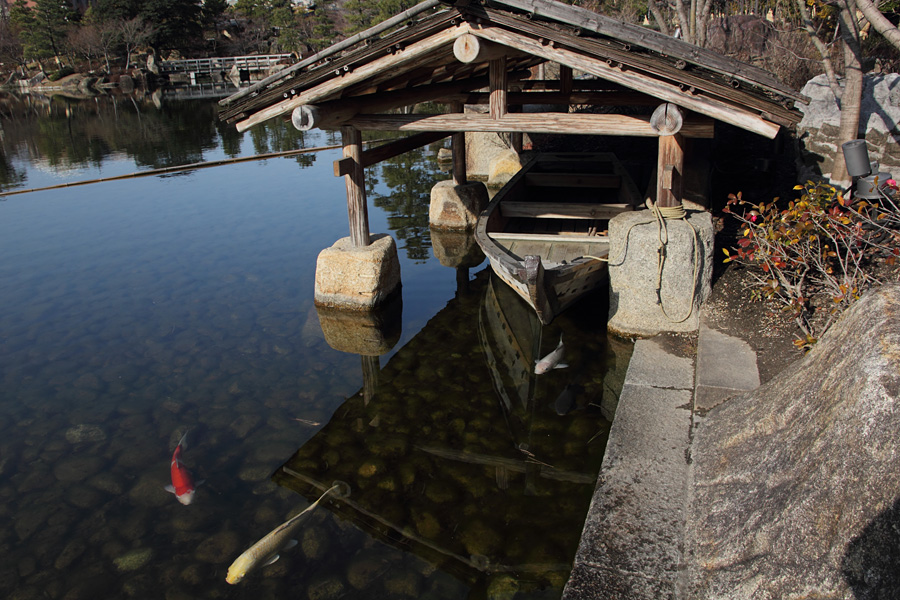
<point x="667" y="92"/>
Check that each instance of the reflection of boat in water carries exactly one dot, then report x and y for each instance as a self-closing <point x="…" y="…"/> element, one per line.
<point x="544" y="231"/>
<point x="443" y="474"/>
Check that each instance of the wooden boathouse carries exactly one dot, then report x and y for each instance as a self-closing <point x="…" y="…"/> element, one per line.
<point x="488" y="52"/>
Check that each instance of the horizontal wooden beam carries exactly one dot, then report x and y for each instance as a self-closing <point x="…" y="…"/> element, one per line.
<point x="593" y="98"/>
<point x="562" y="210"/>
<point x="578" y="180"/>
<point x="334" y="113"/>
<point x="666" y="92"/>
<point x="564" y="123"/>
<point x="554" y="237"/>
<point x="385" y="151"/>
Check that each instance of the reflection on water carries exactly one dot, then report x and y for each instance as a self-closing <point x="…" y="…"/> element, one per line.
<point x="478" y="484"/>
<point x="134" y="311"/>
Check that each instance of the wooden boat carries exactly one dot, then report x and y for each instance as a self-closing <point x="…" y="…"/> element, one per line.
<point x="545" y="231"/>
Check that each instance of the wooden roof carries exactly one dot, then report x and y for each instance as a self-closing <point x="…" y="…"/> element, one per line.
<point x="383" y="69"/>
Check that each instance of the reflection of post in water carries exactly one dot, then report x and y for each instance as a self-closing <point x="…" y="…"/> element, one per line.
<point x="457" y="249"/>
<point x="369" y="334"/>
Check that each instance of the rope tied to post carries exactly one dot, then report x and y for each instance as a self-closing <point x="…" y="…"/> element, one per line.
<point x="674" y="213"/>
<point x="662" y="214"/>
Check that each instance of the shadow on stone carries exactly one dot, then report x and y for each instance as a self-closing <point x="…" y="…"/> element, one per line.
<point x="871" y="565"/>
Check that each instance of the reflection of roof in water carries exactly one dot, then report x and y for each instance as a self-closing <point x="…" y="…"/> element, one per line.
<point x="454" y="474"/>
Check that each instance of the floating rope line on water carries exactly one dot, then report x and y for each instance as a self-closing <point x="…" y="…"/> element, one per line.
<point x="661" y="214"/>
<point x="178" y="168"/>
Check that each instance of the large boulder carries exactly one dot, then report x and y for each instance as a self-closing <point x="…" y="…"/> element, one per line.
<point x="797" y="485"/>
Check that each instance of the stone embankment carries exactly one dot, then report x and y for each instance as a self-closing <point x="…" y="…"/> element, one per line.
<point x="789" y="490"/>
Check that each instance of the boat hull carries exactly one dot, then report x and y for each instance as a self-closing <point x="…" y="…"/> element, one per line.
<point x="544" y="232"/>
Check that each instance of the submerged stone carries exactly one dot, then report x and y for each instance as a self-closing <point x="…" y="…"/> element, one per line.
<point x="76" y="468"/>
<point x="219" y="548"/>
<point x="134" y="560"/>
<point x="85" y="433"/>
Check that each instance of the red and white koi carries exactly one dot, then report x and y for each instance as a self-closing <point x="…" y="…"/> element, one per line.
<point x="182" y="484"/>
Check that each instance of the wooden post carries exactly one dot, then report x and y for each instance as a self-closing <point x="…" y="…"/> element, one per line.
<point x="458" y="148"/>
<point x="670" y="166"/>
<point x="668" y="120"/>
<point x="498" y="80"/>
<point x="565" y="79"/>
<point x="357" y="209"/>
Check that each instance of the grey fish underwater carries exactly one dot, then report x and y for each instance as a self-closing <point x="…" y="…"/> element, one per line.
<point x="265" y="551"/>
<point x="551" y="361"/>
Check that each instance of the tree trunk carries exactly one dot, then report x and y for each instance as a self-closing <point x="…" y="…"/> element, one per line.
<point x="879" y="22"/>
<point x="658" y="17"/>
<point x="853" y="88"/>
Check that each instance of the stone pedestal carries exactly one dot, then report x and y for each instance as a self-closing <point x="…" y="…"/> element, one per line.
<point x="634" y="306"/>
<point x="357" y="278"/>
<point x="456" y="207"/>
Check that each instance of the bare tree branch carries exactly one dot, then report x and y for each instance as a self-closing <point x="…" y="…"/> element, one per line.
<point x="823" y="51"/>
<point x="879" y="22"/>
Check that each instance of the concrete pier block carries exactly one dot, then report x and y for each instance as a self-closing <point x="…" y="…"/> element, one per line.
<point x="353" y="278"/>
<point x="634" y="308"/>
<point x="456" y="207"/>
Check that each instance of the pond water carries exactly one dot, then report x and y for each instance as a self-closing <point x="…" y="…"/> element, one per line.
<point x="136" y="311"/>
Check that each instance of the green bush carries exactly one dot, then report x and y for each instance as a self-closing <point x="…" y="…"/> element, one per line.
<point x="63" y="72"/>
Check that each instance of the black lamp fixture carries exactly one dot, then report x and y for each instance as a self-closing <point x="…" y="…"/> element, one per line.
<point x="871" y="183"/>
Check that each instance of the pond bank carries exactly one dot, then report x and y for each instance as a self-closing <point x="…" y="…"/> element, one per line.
<point x="632" y="543"/>
<point x="786" y="490"/>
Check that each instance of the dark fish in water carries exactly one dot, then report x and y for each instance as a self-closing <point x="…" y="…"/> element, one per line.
<point x="552" y="360"/>
<point x="566" y="400"/>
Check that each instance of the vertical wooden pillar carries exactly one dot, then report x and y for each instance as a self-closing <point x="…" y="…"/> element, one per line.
<point x="667" y="120"/>
<point x="565" y="79"/>
<point x="357" y="209"/>
<point x="458" y="148"/>
<point x="669" y="168"/>
<point x="498" y="81"/>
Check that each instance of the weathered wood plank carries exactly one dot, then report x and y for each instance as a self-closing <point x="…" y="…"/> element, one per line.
<point x="497" y="102"/>
<point x="586" y="124"/>
<point x="587" y="180"/>
<point x="692" y="81"/>
<point x="669" y="167"/>
<point x="375" y="155"/>
<point x="357" y="210"/>
<point x="652" y="40"/>
<point x="370" y="70"/>
<point x="642" y="83"/>
<point x="547" y="237"/>
<point x="562" y="210"/>
<point x="458" y="151"/>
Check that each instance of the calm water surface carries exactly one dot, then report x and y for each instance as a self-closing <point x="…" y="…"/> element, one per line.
<point x="137" y="310"/>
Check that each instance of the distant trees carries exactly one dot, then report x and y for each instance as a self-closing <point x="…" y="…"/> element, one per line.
<point x="43" y="27"/>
